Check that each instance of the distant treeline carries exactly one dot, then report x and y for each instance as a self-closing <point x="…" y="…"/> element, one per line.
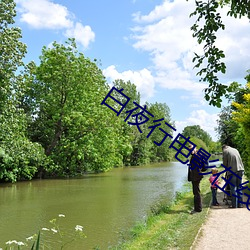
<point x="52" y="122"/>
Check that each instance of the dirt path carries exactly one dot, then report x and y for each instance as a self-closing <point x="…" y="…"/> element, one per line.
<point x="225" y="228"/>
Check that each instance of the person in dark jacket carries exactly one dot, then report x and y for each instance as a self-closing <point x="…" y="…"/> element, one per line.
<point x="195" y="177"/>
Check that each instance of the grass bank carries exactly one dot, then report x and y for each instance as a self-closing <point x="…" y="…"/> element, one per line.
<point x="170" y="226"/>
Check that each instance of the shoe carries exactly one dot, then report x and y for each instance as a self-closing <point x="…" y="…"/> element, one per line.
<point x="231" y="206"/>
<point x="194" y="212"/>
<point x="217" y="204"/>
<point x="240" y="206"/>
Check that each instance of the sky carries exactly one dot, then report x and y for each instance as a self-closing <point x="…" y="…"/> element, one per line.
<point x="147" y="42"/>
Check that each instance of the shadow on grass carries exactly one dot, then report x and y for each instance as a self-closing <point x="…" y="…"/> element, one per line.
<point x="183" y="204"/>
<point x="225" y="201"/>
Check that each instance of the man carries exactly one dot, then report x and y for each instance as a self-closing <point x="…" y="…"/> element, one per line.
<point x="195" y="177"/>
<point x="232" y="158"/>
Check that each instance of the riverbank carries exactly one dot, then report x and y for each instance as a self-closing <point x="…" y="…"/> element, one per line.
<point x="170" y="227"/>
<point x="174" y="228"/>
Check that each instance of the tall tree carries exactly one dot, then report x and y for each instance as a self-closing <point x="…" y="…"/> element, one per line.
<point x="134" y="141"/>
<point x="66" y="91"/>
<point x="160" y="153"/>
<point x="241" y="115"/>
<point x="19" y="157"/>
<point x="12" y="51"/>
<point x="227" y="128"/>
<point x="197" y="131"/>
<point x="207" y="24"/>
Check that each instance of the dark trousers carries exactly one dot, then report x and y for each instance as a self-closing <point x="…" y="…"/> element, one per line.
<point x="214" y="196"/>
<point x="197" y="196"/>
<point x="234" y="186"/>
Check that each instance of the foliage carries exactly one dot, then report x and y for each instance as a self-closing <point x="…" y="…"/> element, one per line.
<point x="232" y="124"/>
<point x="144" y="150"/>
<point x="133" y="142"/>
<point x="12" y="50"/>
<point x="160" y="153"/>
<point x="52" y="122"/>
<point x="227" y="128"/>
<point x="20" y="158"/>
<point x="66" y="116"/>
<point x="197" y="131"/>
<point x="242" y="116"/>
<point x="215" y="147"/>
<point x="199" y="143"/>
<point x="205" y="28"/>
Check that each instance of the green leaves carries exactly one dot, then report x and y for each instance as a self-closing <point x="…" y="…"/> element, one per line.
<point x="239" y="8"/>
<point x="207" y="12"/>
<point x="210" y="63"/>
<point x="197" y="132"/>
<point x="65" y="92"/>
<point x="20" y="158"/>
<point x="160" y="153"/>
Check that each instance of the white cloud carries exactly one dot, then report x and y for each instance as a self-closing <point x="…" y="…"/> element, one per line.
<point x="143" y="80"/>
<point x="235" y="41"/>
<point x="159" y="12"/>
<point x="83" y="34"/>
<point x="200" y="117"/>
<point x="44" y="14"/>
<point x="165" y="33"/>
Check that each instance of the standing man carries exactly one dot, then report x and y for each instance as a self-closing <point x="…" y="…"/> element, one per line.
<point x="231" y="158"/>
<point x="195" y="177"/>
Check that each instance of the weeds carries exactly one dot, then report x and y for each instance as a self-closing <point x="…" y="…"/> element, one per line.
<point x="53" y="237"/>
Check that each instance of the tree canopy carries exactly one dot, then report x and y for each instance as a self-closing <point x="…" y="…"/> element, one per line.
<point x="19" y="157"/>
<point x="233" y="123"/>
<point x="52" y="122"/>
<point x="198" y="132"/>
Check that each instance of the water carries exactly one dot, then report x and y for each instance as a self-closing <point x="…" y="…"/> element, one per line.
<point x="104" y="204"/>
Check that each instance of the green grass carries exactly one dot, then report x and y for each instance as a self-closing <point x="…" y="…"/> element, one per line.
<point x="170" y="226"/>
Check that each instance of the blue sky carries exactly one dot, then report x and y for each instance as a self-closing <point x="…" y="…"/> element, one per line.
<point x="148" y="42"/>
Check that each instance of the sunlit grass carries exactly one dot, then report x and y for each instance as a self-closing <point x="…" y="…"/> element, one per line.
<point x="170" y="226"/>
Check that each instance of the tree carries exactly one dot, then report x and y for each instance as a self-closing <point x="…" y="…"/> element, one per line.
<point x="242" y="116"/>
<point x="134" y="140"/>
<point x="232" y="124"/>
<point x="19" y="158"/>
<point x="208" y="23"/>
<point x="197" y="131"/>
<point x="230" y="130"/>
<point x="215" y="147"/>
<point x="227" y="128"/>
<point x="199" y="143"/>
<point x="162" y="152"/>
<point x="12" y="51"/>
<point x="144" y="150"/>
<point x="67" y="118"/>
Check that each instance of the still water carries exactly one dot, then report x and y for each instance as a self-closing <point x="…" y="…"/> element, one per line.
<point x="104" y="204"/>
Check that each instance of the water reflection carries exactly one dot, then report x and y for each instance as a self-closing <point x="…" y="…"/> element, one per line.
<point x="105" y="204"/>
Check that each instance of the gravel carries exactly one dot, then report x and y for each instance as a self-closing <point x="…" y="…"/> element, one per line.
<point x="225" y="228"/>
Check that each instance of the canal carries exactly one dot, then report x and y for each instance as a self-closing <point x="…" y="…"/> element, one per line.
<point x="105" y="204"/>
